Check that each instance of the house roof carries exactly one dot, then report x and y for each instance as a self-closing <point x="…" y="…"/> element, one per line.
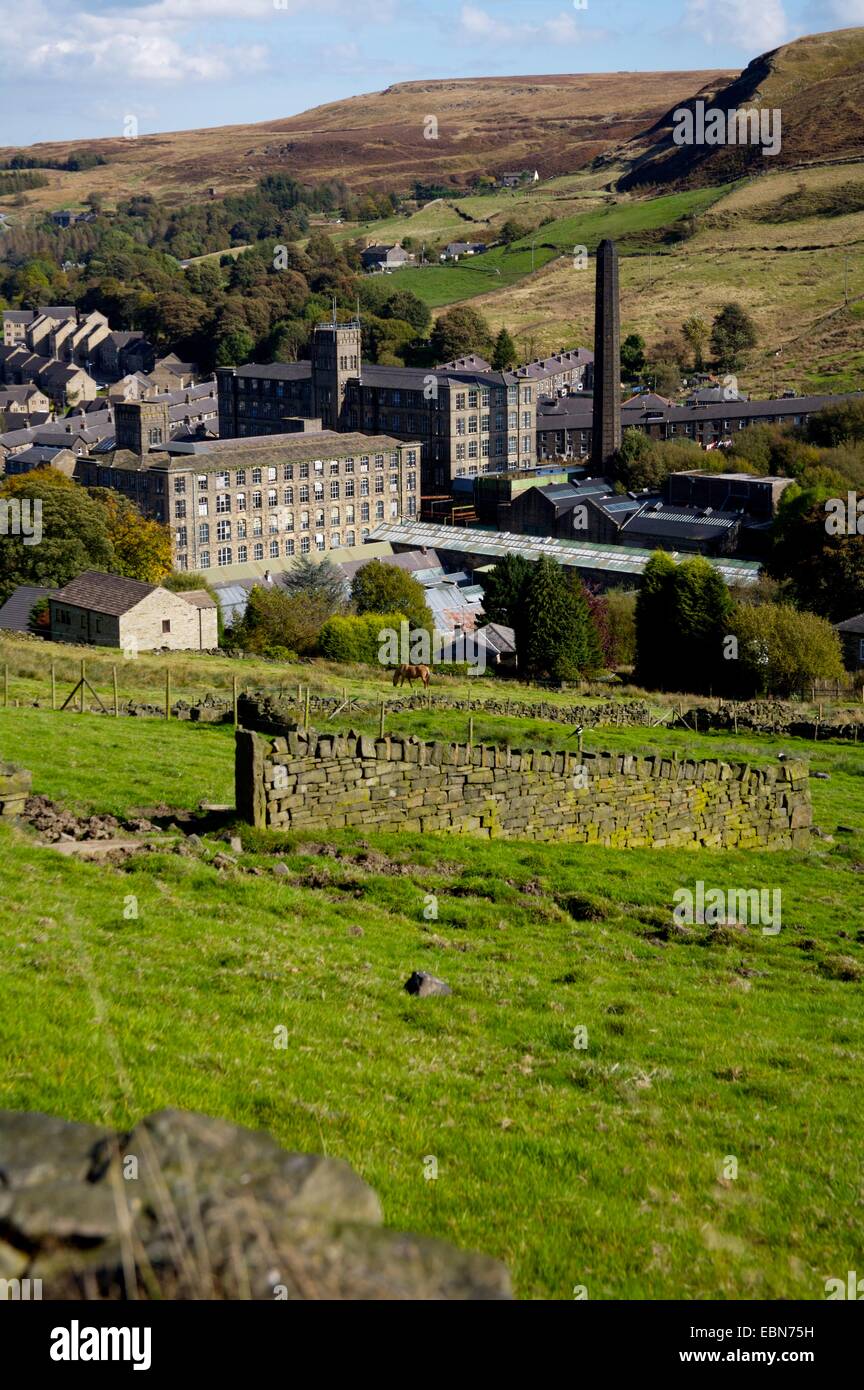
<point x="679" y="523"/>
<point x="199" y="598"/>
<point x="104" y="593"/>
<point x="15" y="612"/>
<point x="853" y="625"/>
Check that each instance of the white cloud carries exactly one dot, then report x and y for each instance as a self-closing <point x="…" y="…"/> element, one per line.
<point x="477" y="24"/>
<point x="754" y="25"/>
<point x="841" y="12"/>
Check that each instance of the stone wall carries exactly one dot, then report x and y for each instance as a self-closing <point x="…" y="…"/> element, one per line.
<point x="324" y="781"/>
<point x="263" y="712"/>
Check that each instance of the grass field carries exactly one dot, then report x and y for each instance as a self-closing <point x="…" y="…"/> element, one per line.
<point x="606" y="1166"/>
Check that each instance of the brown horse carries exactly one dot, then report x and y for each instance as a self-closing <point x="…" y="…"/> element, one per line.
<point x="411" y="674"/>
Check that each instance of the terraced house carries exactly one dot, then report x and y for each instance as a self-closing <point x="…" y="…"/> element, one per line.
<point x="468" y="421"/>
<point x="235" y="502"/>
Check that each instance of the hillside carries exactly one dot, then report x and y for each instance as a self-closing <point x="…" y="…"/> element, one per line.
<point x="817" y="83"/>
<point x="485" y="125"/>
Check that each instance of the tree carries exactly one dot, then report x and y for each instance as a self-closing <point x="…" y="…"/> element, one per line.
<point x="406" y="306"/>
<point x="697" y="334"/>
<point x="504" y="354"/>
<point x="142" y="547"/>
<point x="665" y="377"/>
<point x="554" y="633"/>
<point x="280" y="624"/>
<point x="504" y="589"/>
<point x="74" y="532"/>
<point x="837" y="424"/>
<point x="733" y="332"/>
<point x="782" y="651"/>
<point x="621" y="622"/>
<point x="234" y="347"/>
<point x="460" y="332"/>
<point x="633" y="354"/>
<point x="316" y="579"/>
<point x="380" y="588"/>
<point x="655" y="639"/>
<point x="822" y="567"/>
<point x="511" y="231"/>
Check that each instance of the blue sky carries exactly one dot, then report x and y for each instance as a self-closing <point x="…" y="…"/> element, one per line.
<point x="77" y="68"/>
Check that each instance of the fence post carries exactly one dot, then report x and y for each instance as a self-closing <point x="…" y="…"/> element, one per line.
<point x="168" y="692"/>
<point x="470" y="731"/>
<point x="234" y="698"/>
<point x="382" y="715"/>
<point x="81" y="710"/>
<point x="53" y="687"/>
<point x="306" y="710"/>
<point x="114" y="683"/>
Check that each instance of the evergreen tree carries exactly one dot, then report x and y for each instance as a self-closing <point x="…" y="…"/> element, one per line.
<point x="655" y="637"/>
<point x="554" y="629"/>
<point x="504" y="589"/>
<point x="504" y="354"/>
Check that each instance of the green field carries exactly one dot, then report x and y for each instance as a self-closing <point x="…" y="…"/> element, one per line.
<point x="627" y="222"/>
<point x="606" y="1166"/>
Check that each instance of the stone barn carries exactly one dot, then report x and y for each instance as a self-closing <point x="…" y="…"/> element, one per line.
<point x="106" y="610"/>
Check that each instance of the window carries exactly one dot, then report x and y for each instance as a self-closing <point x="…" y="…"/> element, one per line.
<point x="472" y="449"/>
<point x="334" y="516"/>
<point x="181" y="538"/>
<point x="273" y="523"/>
<point x="202" y="482"/>
<point x="202" y="506"/>
<point x="204" y="559"/>
<point x="349" y="465"/>
<point x="304" y="492"/>
<point x="257" y="551"/>
<point x="223" y="530"/>
<point x="288" y="496"/>
<point x="288" y="472"/>
<point x="379" y="482"/>
<point x="512" y="444"/>
<point x="334" y="468"/>
<point x="304" y="521"/>
<point x="460" y="400"/>
<point x="271" y="475"/>
<point x="304" y="470"/>
<point x="526" y="395"/>
<point x="349" y="538"/>
<point x="166" y="625"/>
<point x="411" y="458"/>
<point x="203" y="533"/>
<point x="242" y="553"/>
<point x="257" y="526"/>
<point x="289" y="521"/>
<point x="319" y="541"/>
<point x="349" y="515"/>
<point x="240" y="477"/>
<point x="364" y="511"/>
<point x="272" y="497"/>
<point x="223" y="502"/>
<point x="289" y="547"/>
<point x="179" y="510"/>
<point x="334" y="492"/>
<point x="274" y="550"/>
<point x="334" y="540"/>
<point x="319" y="491"/>
<point x="256" y="498"/>
<point x="412" y="477"/>
<point x="241" y="530"/>
<point x="460" y="426"/>
<point x="349" y="487"/>
<point x="379" y="511"/>
<point x="223" y="555"/>
<point x="222" y="480"/>
<point x="256" y="475"/>
<point x="179" y="486"/>
<point x="240" y="500"/>
<point x="364" y="487"/>
<point x="304" y="545"/>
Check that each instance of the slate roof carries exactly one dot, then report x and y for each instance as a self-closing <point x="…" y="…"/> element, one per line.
<point x="199" y="598"/>
<point x="15" y="612"/>
<point x="679" y="523"/>
<point x="104" y="593"/>
<point x="854" y="625"/>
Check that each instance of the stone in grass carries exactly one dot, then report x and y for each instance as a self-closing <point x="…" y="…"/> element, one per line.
<point x="423" y="984"/>
<point x="235" y="844"/>
<point x="281" y="870"/>
<point x="356" y="931"/>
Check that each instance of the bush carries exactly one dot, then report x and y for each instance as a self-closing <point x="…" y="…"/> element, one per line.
<point x="355" y="638"/>
<point x="781" y="650"/>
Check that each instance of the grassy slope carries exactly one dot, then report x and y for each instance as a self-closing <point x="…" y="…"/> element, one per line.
<point x="600" y="1167"/>
<point x="790" y="277"/>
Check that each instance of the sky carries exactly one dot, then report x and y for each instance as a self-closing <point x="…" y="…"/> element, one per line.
<point x="77" y="69"/>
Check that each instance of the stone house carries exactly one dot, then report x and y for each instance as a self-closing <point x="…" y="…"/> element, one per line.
<point x="385" y="258"/>
<point x="107" y="610"/>
<point x="851" y="634"/>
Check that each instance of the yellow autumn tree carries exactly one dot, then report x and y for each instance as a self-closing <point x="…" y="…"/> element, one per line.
<point x="142" y="547"/>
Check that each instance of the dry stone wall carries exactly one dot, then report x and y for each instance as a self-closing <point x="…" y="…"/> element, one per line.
<point x="325" y="781"/>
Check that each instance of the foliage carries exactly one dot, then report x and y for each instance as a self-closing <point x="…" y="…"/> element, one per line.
<point x="643" y="462"/>
<point x="682" y="616"/>
<point x="781" y="650"/>
<point x="320" y="580"/>
<point x="733" y="332"/>
<point x="459" y="332"/>
<point x="354" y="637"/>
<point x="822" y="572"/>
<point x="276" y="622"/>
<point x="621" y="626"/>
<point x="142" y="547"/>
<point x="380" y="588"/>
<point x="504" y="589"/>
<point x="633" y="354"/>
<point x="75" y="533"/>
<point x="837" y="424"/>
<point x="504" y="353"/>
<point x="555" y="636"/>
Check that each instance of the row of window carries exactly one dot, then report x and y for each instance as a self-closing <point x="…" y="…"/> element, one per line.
<point x="283" y="521"/>
<point x="335" y="467"/>
<point x="225" y="554"/>
<point x="224" y="500"/>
